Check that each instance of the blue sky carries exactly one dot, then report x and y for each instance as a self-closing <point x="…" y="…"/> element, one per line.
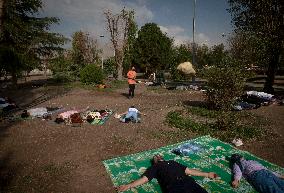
<point x="173" y="16"/>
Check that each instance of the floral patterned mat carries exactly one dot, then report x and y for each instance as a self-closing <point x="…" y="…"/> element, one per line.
<point x="211" y="157"/>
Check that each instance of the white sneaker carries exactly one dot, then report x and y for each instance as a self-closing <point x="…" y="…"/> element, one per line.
<point x="237" y="142"/>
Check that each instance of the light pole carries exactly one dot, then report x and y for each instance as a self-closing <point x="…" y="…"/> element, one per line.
<point x="193" y="41"/>
<point x="102" y="36"/>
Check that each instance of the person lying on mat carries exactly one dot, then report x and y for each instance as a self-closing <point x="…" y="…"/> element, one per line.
<point x="172" y="176"/>
<point x="62" y="117"/>
<point x="263" y="180"/>
<point x="130" y="115"/>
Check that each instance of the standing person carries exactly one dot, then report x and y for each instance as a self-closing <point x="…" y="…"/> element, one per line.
<point x="172" y="176"/>
<point x="263" y="180"/>
<point x="131" y="75"/>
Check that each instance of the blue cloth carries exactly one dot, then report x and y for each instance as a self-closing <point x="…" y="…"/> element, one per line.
<point x="188" y="149"/>
<point x="265" y="181"/>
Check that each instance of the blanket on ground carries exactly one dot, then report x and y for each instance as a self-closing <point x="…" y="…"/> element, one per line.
<point x="210" y="156"/>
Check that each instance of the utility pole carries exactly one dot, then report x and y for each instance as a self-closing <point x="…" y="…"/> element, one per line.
<point x="193" y="40"/>
<point x="102" y="36"/>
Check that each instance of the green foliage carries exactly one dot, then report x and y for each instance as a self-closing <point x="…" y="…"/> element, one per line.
<point x="63" y="77"/>
<point x="25" y="36"/>
<point x="202" y="56"/>
<point x="91" y="74"/>
<point x="84" y="51"/>
<point x="263" y="20"/>
<point x="78" y="50"/>
<point x="237" y="130"/>
<point x="153" y="49"/>
<point x="225" y="82"/>
<point x="60" y="64"/>
<point x="203" y="112"/>
<point x="217" y="54"/>
<point x="249" y="49"/>
<point x="109" y="66"/>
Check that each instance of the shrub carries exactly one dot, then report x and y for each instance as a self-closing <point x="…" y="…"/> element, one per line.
<point x="225" y="82"/>
<point x="91" y="74"/>
<point x="63" y="77"/>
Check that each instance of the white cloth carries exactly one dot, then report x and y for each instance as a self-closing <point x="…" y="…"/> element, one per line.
<point x="37" y="112"/>
<point x="133" y="110"/>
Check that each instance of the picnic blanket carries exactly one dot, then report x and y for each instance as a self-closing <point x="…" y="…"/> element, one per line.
<point x="211" y="157"/>
<point x="102" y="116"/>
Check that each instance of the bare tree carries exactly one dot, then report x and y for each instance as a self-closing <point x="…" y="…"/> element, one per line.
<point x="119" y="26"/>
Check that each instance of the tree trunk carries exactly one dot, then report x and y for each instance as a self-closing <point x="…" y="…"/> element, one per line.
<point x="1" y="17"/>
<point x="119" y="62"/>
<point x="14" y="79"/>
<point x="271" y="71"/>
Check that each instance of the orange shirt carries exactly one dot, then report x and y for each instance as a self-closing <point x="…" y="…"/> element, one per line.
<point x="131" y="75"/>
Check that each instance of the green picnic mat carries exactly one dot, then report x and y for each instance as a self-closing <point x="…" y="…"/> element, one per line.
<point x="211" y="157"/>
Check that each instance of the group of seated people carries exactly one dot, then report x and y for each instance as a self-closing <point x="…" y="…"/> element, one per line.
<point x="174" y="177"/>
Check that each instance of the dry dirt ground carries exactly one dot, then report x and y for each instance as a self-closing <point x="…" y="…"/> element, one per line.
<point x="41" y="156"/>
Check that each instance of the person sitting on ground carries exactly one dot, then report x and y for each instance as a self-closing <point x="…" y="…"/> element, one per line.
<point x="263" y="180"/>
<point x="172" y="176"/>
<point x="130" y="115"/>
<point x="65" y="116"/>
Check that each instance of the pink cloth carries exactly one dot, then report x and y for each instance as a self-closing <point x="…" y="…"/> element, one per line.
<point x="67" y="114"/>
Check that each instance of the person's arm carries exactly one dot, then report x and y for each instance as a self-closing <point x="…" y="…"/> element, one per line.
<point x="141" y="113"/>
<point x="133" y="184"/>
<point x="193" y="172"/>
<point x="123" y="113"/>
<point x="237" y="175"/>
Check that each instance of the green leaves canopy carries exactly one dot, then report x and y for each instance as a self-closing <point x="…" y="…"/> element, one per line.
<point x="25" y="36"/>
<point x="153" y="48"/>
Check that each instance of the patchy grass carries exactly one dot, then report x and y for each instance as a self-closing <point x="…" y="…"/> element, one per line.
<point x="111" y="85"/>
<point x="203" y="112"/>
<point x="247" y="127"/>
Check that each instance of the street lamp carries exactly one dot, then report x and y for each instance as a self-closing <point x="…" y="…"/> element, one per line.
<point x="102" y="36"/>
<point x="193" y="41"/>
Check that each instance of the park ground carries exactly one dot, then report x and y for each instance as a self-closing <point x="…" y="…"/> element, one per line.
<point x="41" y="156"/>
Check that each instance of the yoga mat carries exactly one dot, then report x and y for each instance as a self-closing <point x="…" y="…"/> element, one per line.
<point x="209" y="157"/>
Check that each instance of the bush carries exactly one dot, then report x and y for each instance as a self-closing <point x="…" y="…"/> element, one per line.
<point x="225" y="82"/>
<point x="63" y="77"/>
<point x="91" y="74"/>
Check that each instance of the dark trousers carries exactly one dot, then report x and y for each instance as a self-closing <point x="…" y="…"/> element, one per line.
<point x="131" y="90"/>
<point x="186" y="185"/>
